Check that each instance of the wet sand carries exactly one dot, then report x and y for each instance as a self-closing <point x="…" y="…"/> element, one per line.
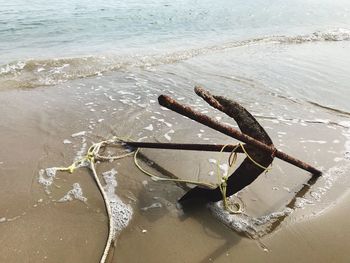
<point x="37" y="228"/>
<point x="50" y="126"/>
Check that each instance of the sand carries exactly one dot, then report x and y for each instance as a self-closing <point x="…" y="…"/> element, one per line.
<point x="36" y="133"/>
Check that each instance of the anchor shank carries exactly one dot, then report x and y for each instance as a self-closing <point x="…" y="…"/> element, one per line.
<point x="187" y="111"/>
<point x="186" y="146"/>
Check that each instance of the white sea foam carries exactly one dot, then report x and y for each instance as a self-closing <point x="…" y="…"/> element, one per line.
<point x="322" y="187"/>
<point x="82" y="151"/>
<point x="149" y="127"/>
<point x="167" y="136"/>
<point x="338" y="159"/>
<point x="250" y="226"/>
<point x="257" y="227"/>
<point x="332" y="175"/>
<point x="317" y="195"/>
<point x="302" y="202"/>
<point x="122" y="92"/>
<point x="121" y="212"/>
<point x="12" y="68"/>
<point x="82" y="133"/>
<point x="224" y="168"/>
<point x="313" y="141"/>
<point x="47" y="176"/>
<point x="53" y="71"/>
<point x="212" y="161"/>
<point x="76" y="193"/>
<point x="162" y="120"/>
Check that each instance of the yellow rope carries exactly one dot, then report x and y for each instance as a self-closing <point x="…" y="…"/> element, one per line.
<point x="222" y="179"/>
<point x="157" y="178"/>
<point x="266" y="169"/>
<point x="90" y="158"/>
<point x="93" y="155"/>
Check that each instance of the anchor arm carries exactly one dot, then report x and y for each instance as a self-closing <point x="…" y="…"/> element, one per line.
<point x="247" y="172"/>
<point x="259" y="144"/>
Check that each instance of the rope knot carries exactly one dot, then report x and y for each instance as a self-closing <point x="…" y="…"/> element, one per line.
<point x="224" y="182"/>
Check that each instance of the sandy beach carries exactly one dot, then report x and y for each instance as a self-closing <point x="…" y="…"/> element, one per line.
<point x="40" y="131"/>
<point x="95" y="71"/>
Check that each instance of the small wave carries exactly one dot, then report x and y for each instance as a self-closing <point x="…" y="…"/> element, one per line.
<point x="33" y="73"/>
<point x="339" y="34"/>
<point x="330" y="108"/>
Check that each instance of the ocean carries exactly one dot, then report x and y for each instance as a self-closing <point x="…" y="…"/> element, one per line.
<point x="49" y="42"/>
<point x="73" y="73"/>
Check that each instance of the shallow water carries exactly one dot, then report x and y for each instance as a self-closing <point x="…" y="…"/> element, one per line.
<point x="39" y="30"/>
<point x="91" y="71"/>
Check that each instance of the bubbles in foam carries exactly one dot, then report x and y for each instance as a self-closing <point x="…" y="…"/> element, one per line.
<point x="12" y="68"/>
<point x="321" y="188"/>
<point x="34" y="73"/>
<point x="301" y="202"/>
<point x="332" y="175"/>
<point x="243" y="223"/>
<point x="76" y="193"/>
<point x="81" y="152"/>
<point x="316" y="195"/>
<point x="46" y="176"/>
<point x="121" y="212"/>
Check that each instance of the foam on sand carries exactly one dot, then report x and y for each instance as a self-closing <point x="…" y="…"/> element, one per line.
<point x="121" y="212"/>
<point x="76" y="193"/>
<point x="47" y="176"/>
<point x="245" y="224"/>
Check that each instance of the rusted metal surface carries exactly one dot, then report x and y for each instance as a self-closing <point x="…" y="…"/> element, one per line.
<point x="246" y="122"/>
<point x="247" y="172"/>
<point x="187" y="111"/>
<point x="186" y="146"/>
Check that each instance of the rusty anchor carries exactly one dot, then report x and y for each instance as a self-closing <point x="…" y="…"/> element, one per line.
<point x="258" y="145"/>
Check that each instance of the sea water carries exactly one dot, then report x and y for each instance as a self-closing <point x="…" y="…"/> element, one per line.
<point x="49" y="42"/>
